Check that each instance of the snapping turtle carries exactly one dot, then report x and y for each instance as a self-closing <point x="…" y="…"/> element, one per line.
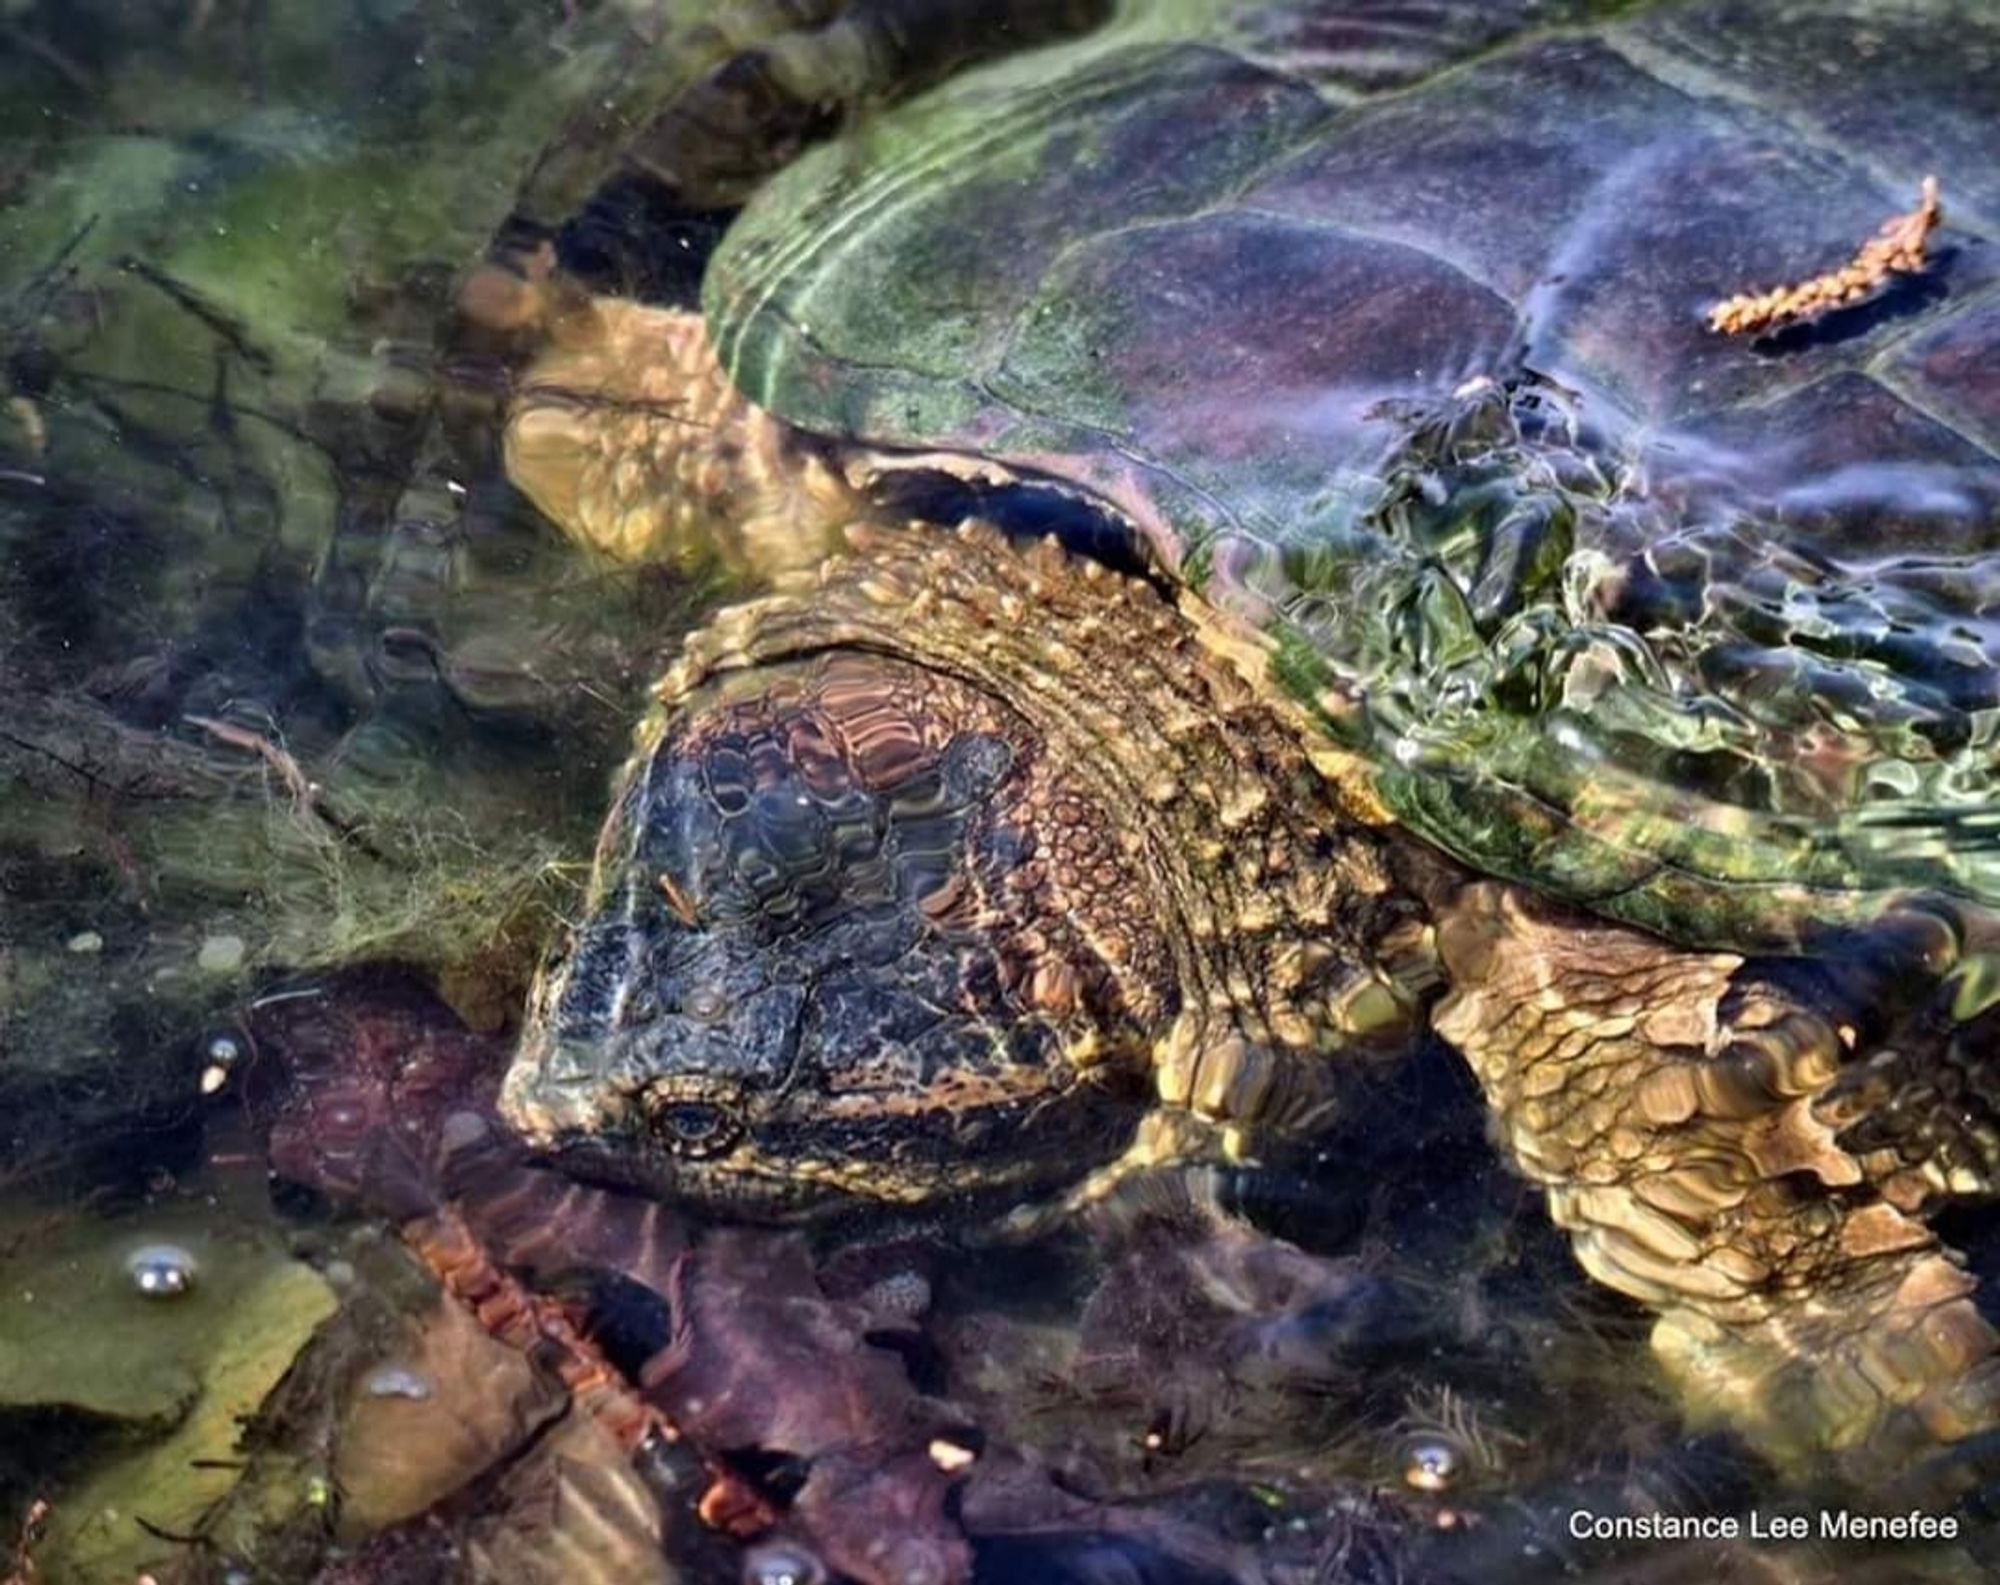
<point x="1487" y="645"/>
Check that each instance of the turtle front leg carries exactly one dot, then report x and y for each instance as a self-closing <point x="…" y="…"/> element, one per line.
<point x="1696" y="1119"/>
<point x="1228" y="1088"/>
<point x="628" y="436"/>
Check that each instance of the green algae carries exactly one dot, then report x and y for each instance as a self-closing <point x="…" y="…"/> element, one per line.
<point x="216" y="254"/>
<point x="180" y="1375"/>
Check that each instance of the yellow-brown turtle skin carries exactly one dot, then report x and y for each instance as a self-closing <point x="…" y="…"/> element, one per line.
<point x="942" y="909"/>
<point x="953" y="868"/>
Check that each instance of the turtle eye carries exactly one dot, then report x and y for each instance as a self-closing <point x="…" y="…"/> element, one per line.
<point x="693" y="1128"/>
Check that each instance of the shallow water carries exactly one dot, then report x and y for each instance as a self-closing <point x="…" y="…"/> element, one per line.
<point x="313" y="708"/>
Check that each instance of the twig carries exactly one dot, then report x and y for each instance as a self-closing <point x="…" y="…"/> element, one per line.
<point x="1896" y="249"/>
<point x="224" y="325"/>
<point x="160" y="1532"/>
<point x="308" y="798"/>
<point x="43" y="50"/>
<point x="44" y="280"/>
<point x="302" y="789"/>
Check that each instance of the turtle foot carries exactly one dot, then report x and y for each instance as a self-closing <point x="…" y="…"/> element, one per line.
<point x="1692" y="1118"/>
<point x="1886" y="1376"/>
<point x="627" y="435"/>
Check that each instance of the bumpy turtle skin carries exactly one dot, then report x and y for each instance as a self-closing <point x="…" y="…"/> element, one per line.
<point x="1699" y="1122"/>
<point x="1156" y="888"/>
<point x="1727" y="1140"/>
<point x="625" y="433"/>
<point x="1277" y="895"/>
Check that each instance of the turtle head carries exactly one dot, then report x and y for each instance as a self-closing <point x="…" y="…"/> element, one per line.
<point x="817" y="969"/>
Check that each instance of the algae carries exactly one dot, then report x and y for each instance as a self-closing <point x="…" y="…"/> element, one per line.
<point x="181" y="1373"/>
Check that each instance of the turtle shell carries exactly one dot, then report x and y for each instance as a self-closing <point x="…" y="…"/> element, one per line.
<point x="1388" y="332"/>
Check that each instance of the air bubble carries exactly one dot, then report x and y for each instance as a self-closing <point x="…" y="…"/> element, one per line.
<point x="161" y="1271"/>
<point x="1430" y="1463"/>
<point x="397" y="1381"/>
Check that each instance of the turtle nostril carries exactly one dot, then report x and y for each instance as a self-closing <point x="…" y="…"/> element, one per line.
<point x="693" y="1128"/>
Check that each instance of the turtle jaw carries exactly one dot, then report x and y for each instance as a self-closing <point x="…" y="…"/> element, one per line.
<point x="876" y="1096"/>
<point x="558" y="1104"/>
<point x="780" y="1159"/>
<point x="730" y="1188"/>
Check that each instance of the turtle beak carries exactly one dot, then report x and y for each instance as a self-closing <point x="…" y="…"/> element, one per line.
<point x="553" y="1090"/>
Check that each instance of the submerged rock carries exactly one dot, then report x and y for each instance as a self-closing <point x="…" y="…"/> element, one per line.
<point x="181" y="1367"/>
<point x="221" y="955"/>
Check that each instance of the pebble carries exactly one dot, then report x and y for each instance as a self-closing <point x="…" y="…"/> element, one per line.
<point x="85" y="941"/>
<point x="462" y="1130"/>
<point x="221" y="954"/>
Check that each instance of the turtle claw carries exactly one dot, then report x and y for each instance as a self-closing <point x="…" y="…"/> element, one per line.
<point x="1182" y="1171"/>
<point x="1168" y="1172"/>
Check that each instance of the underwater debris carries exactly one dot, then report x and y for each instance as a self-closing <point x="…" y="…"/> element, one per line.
<point x="574" y="1511"/>
<point x="399" y="1452"/>
<point x="513" y="1314"/>
<point x="1210" y="1343"/>
<point x="763" y="1358"/>
<point x="1896" y="249"/>
<point x="307" y="796"/>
